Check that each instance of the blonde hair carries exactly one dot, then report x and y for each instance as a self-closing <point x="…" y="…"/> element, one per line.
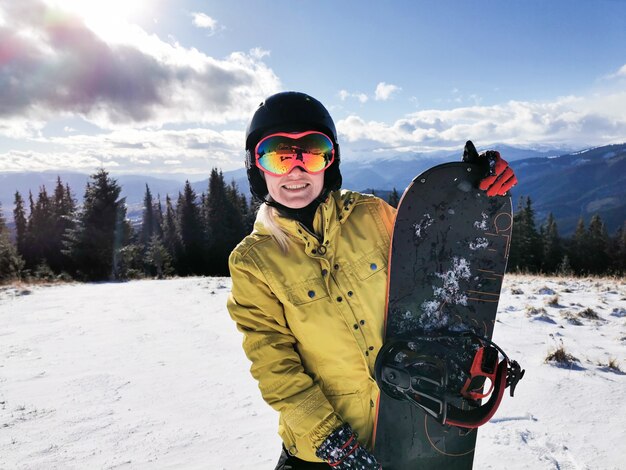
<point x="267" y="216"/>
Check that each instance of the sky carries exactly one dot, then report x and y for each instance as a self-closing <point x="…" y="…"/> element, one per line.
<point x="165" y="88"/>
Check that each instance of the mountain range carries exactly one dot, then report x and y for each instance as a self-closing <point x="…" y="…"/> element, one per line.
<point x="569" y="185"/>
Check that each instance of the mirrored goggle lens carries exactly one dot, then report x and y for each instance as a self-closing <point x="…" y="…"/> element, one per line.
<point x="279" y="153"/>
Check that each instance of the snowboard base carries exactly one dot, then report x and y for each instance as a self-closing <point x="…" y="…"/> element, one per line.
<point x="447" y="260"/>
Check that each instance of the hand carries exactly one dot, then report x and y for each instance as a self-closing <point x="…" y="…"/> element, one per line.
<point x="500" y="177"/>
<point x="342" y="451"/>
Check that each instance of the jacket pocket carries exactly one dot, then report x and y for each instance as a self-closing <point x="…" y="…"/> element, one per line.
<point x="372" y="263"/>
<point x="306" y="292"/>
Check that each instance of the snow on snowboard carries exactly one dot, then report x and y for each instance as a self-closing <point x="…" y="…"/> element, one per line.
<point x="440" y="375"/>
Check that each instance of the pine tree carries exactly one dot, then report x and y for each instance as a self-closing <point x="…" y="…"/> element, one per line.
<point x="148" y="221"/>
<point x="11" y="264"/>
<point x="42" y="231"/>
<point x="253" y="209"/>
<point x="236" y="222"/>
<point x="578" y="247"/>
<point x="101" y="230"/>
<point x="224" y="221"/>
<point x="158" y="218"/>
<point x="394" y="198"/>
<point x="192" y="257"/>
<point x="552" y="250"/>
<point x="526" y="247"/>
<point x="565" y="267"/>
<point x="19" y="216"/>
<point x="597" y="246"/>
<point x="158" y="258"/>
<point x="63" y="211"/>
<point x="620" y="250"/>
<point x="171" y="239"/>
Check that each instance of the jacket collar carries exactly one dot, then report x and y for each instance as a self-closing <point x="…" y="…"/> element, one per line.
<point x="330" y="215"/>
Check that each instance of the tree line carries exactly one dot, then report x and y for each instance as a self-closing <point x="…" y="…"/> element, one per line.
<point x="589" y="251"/>
<point x="194" y="235"/>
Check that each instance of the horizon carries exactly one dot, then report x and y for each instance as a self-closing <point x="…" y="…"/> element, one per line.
<point x="154" y="88"/>
<point x="201" y="177"/>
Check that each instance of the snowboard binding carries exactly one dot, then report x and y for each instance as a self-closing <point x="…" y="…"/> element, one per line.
<point x="449" y="382"/>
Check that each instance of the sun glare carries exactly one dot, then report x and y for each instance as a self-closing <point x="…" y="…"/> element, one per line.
<point x="105" y="16"/>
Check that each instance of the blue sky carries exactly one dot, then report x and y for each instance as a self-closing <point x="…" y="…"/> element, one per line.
<point x="165" y="87"/>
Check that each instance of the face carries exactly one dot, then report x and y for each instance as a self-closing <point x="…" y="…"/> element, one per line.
<point x="296" y="189"/>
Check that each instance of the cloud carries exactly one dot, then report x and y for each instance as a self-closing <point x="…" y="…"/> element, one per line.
<point x="52" y="64"/>
<point x="384" y="91"/>
<point x="567" y="121"/>
<point x="345" y="94"/>
<point x="204" y="21"/>
<point x="191" y="151"/>
<point x="621" y="73"/>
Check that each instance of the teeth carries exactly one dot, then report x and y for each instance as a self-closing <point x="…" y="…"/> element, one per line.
<point x="295" y="186"/>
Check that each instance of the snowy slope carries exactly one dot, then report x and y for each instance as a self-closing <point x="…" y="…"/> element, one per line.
<point x="150" y="374"/>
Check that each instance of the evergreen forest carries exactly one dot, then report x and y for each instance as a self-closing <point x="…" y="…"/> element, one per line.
<point x="55" y="238"/>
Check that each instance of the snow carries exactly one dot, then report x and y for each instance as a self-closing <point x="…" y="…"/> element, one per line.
<point x="151" y="374"/>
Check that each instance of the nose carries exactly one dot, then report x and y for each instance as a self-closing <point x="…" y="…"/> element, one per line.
<point x="297" y="167"/>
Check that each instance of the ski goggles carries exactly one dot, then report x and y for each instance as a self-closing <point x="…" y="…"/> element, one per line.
<point x="277" y="154"/>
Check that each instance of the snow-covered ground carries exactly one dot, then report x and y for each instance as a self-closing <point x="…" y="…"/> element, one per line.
<point x="151" y="374"/>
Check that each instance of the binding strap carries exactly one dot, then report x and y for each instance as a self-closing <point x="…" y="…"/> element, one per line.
<point x="403" y="372"/>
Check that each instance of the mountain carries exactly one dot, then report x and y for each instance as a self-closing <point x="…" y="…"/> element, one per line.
<point x="577" y="184"/>
<point x="569" y="185"/>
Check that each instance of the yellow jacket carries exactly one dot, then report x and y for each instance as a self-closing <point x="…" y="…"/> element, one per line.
<point x="312" y="319"/>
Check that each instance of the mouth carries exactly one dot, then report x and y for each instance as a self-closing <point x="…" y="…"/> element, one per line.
<point x="295" y="187"/>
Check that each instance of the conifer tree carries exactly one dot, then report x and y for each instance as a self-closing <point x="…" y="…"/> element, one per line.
<point x="148" y="221"/>
<point x="171" y="239"/>
<point x="63" y="211"/>
<point x="253" y="209"/>
<point x="101" y="232"/>
<point x="577" y="248"/>
<point x="597" y="246"/>
<point x="11" y="263"/>
<point x="552" y="250"/>
<point x="192" y="257"/>
<point x="158" y="218"/>
<point x="526" y="248"/>
<point x="394" y="198"/>
<point x="19" y="217"/>
<point x="224" y="221"/>
<point x="158" y="258"/>
<point x="620" y="250"/>
<point x="42" y="230"/>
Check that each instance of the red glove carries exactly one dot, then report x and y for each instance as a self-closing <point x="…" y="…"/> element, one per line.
<point x="500" y="177"/>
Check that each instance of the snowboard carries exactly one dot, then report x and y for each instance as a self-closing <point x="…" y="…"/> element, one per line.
<point x="448" y="255"/>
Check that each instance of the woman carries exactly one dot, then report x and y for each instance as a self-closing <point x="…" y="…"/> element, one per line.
<point x="309" y="286"/>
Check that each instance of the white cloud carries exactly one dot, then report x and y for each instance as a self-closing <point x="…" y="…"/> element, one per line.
<point x="345" y="94"/>
<point x="621" y="73"/>
<point x="384" y="91"/>
<point x="259" y="53"/>
<point x="204" y="21"/>
<point x="133" y="78"/>
<point x="567" y="121"/>
<point x="147" y="151"/>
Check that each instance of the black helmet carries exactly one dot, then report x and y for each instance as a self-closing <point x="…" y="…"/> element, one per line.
<point x="289" y="111"/>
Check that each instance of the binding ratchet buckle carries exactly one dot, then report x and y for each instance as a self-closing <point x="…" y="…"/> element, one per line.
<point x="442" y="373"/>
